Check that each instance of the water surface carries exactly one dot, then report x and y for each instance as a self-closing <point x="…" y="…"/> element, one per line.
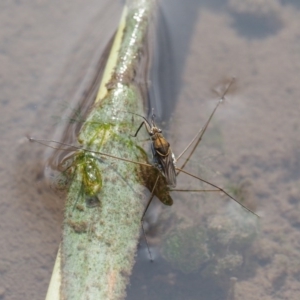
<point x="46" y="50"/>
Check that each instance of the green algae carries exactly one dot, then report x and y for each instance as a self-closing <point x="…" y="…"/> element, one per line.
<point x="106" y="196"/>
<point x="217" y="249"/>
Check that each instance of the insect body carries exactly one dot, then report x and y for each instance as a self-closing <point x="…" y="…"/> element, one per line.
<point x="164" y="158"/>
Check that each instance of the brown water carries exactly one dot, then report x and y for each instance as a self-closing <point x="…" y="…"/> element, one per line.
<point x="46" y="48"/>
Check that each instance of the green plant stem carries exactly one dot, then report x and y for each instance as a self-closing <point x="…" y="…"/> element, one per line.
<point x="106" y="197"/>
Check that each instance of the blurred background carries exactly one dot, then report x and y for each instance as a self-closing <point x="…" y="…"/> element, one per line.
<point x="205" y="246"/>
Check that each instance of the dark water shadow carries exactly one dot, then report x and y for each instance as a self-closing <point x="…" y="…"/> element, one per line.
<point x="253" y="26"/>
<point x="295" y="3"/>
<point x="174" y="32"/>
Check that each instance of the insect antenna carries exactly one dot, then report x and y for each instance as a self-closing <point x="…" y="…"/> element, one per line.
<point x="129" y="112"/>
<point x="145" y="122"/>
<point x="153" y="116"/>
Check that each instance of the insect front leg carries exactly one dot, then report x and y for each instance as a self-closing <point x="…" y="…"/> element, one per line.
<point x="138" y="129"/>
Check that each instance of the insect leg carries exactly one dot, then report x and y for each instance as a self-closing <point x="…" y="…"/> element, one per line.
<point x="184" y="190"/>
<point x="218" y="188"/>
<point x="79" y="194"/>
<point x="144" y="213"/>
<point x="138" y="129"/>
<point x="43" y="142"/>
<point x="201" y="132"/>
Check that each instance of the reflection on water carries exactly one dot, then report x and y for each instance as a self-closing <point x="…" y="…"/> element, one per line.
<point x="44" y="55"/>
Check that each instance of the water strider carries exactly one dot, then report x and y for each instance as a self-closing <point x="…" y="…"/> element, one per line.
<point x="163" y="158"/>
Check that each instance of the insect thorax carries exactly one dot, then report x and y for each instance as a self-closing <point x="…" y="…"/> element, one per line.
<point x="160" y="144"/>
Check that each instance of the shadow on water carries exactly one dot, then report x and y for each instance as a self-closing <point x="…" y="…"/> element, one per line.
<point x="173" y="35"/>
<point x="253" y="26"/>
<point x="295" y="3"/>
<point x="161" y="282"/>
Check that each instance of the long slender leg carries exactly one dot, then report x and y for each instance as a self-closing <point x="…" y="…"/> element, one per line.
<point x="144" y="213"/>
<point x="193" y="191"/>
<point x="202" y="130"/>
<point x="79" y="194"/>
<point x="43" y="142"/>
<point x="220" y="189"/>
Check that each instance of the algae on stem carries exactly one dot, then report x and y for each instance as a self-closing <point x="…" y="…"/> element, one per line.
<point x="99" y="242"/>
<point x="106" y="196"/>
